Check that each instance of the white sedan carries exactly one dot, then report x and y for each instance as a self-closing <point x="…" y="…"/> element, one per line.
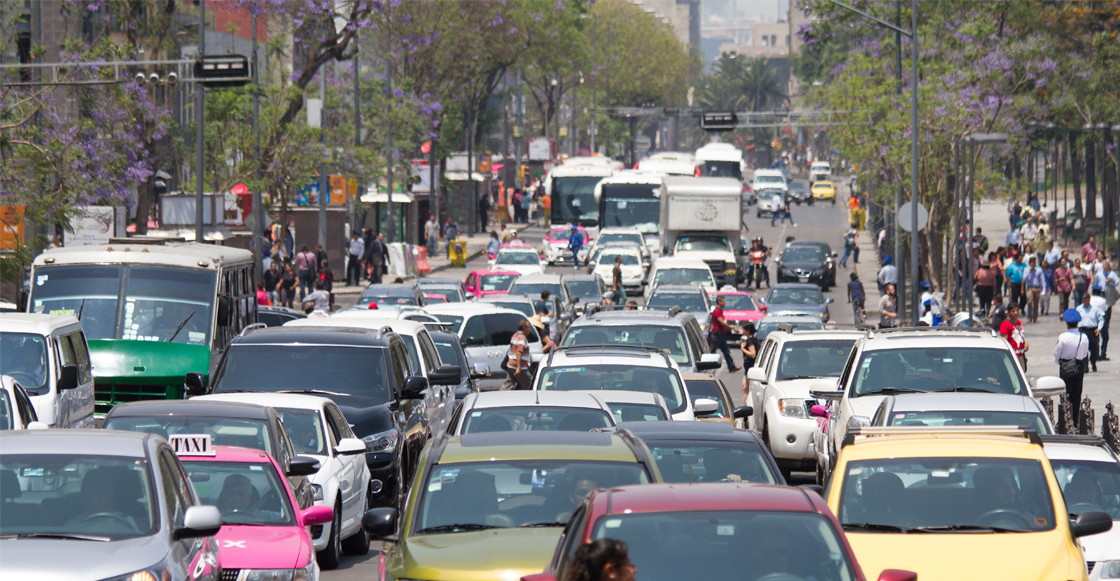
<point x="633" y="273"/>
<point x="318" y="429"/>
<point x="520" y="259"/>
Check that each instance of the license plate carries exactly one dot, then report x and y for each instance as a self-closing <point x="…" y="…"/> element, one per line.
<point x="803" y="278"/>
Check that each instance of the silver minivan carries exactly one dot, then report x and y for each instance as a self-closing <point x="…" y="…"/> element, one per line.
<point x="48" y="356"/>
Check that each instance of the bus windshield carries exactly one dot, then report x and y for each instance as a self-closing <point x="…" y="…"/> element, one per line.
<point x="721" y="169"/>
<point x="154" y="303"/>
<point x="630" y="206"/>
<point x="573" y="199"/>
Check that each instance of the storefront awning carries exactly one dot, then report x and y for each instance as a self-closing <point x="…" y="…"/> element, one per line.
<point x="383" y="198"/>
<point x="461" y="176"/>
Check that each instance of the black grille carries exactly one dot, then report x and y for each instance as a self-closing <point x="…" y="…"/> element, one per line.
<point x="230" y="574"/>
<point x="316" y="530"/>
<point x="109" y="394"/>
<point x="1089" y="565"/>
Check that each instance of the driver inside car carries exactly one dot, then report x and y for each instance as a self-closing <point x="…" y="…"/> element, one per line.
<point x="240" y="496"/>
<point x="23" y="359"/>
<point x="110" y="495"/>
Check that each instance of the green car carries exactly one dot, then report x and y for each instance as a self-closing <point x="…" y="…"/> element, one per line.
<point x="492" y="505"/>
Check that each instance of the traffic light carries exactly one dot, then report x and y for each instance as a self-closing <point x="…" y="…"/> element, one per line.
<point x="223" y="71"/>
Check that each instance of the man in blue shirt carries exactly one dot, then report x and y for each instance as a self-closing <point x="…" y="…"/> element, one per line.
<point x="1014" y="237"/>
<point x="1015" y="272"/>
<point x="1106" y="277"/>
<point x="1052" y="254"/>
<point x="1034" y="279"/>
<point x="1092" y="321"/>
<point x="575" y="244"/>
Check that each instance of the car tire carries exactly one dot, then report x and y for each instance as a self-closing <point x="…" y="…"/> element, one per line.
<point x="357" y="543"/>
<point x="330" y="556"/>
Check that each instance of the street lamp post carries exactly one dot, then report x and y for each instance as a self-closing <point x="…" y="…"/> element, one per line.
<point x="975" y="140"/>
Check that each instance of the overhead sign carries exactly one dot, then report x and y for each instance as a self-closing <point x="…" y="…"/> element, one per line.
<point x="718" y="120"/>
<point x="906" y="217"/>
<point x="191" y="445"/>
<point x="95" y="225"/>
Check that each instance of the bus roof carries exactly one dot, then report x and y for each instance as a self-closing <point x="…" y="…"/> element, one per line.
<point x="719" y="152"/>
<point x="580" y="170"/>
<point x="182" y="254"/>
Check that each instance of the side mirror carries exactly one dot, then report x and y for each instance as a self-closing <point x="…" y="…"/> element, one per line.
<point x="574" y="300"/>
<point x="818" y="411"/>
<point x="444" y="375"/>
<point x="317" y="515"/>
<point x="304" y="465"/>
<point x="897" y="575"/>
<point x="349" y="447"/>
<point x="704" y="407"/>
<point x="828" y="301"/>
<point x="380" y="522"/>
<point x="68" y="377"/>
<point x="1090" y="523"/>
<point x="224" y="314"/>
<point x="709" y="361"/>
<point x="814" y="487"/>
<point x="1048" y="386"/>
<point x="834" y="255"/>
<point x="199" y="521"/>
<point x="414" y="387"/>
<point x="37" y="426"/>
<point x="762" y="300"/>
<point x="743" y="412"/>
<point x="195" y="383"/>
<point x="756" y="374"/>
<point x="480" y="370"/>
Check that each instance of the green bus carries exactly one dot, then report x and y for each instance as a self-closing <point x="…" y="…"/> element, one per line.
<point x="152" y="310"/>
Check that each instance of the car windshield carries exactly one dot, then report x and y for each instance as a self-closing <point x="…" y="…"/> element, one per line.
<point x="630" y="206"/>
<point x="488" y="330"/>
<point x="573" y="199"/>
<point x="223" y="431"/>
<point x="708" y="389"/>
<point x="505" y="494"/>
<point x="1027" y="420"/>
<point x="678" y="275"/>
<point x="450" y="295"/>
<point x="305" y="430"/>
<point x="103" y="497"/>
<point x="739" y="303"/>
<point x="1089" y="486"/>
<point x="246" y="493"/>
<point x="943" y="493"/>
<point x="533" y="289"/>
<point x="24" y="357"/>
<point x="535" y="419"/>
<point x="764" y="327"/>
<point x="937" y="369"/>
<point x="496" y="282"/>
<point x="802" y="254"/>
<point x="769" y="179"/>
<point x="695" y="461"/>
<point x="518" y="257"/>
<point x="337" y="369"/>
<point x="703" y="244"/>
<point x="160" y="303"/>
<point x="797" y="187"/>
<point x="387" y="300"/>
<point x="524" y="307"/>
<point x="822" y="186"/>
<point x="585" y="290"/>
<point x="688" y="302"/>
<point x="664" y="337"/>
<point x="449" y="353"/>
<point x="795" y="296"/>
<point x="725" y="544"/>
<point x="808" y="359"/>
<point x="628" y="259"/>
<point x="609" y="237"/>
<point x="637" y="412"/>
<point x="618" y="378"/>
<point x="564" y="234"/>
<point x="722" y="169"/>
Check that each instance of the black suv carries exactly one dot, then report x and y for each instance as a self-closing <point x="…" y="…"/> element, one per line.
<point x="366" y="372"/>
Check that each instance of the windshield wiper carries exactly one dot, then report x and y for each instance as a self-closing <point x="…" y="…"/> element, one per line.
<point x="458" y="527"/>
<point x="81" y="308"/>
<point x="311" y="391"/>
<point x="874" y="527"/>
<point x="966" y="528"/>
<point x="180" y="327"/>
<point x="544" y="524"/>
<point x="791" y="377"/>
<point x="892" y="391"/>
<point x="962" y="388"/>
<point x="64" y="536"/>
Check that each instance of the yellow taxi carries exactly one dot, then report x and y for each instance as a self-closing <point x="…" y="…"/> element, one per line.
<point x="957" y="503"/>
<point x="824" y="191"/>
<point x="490" y="506"/>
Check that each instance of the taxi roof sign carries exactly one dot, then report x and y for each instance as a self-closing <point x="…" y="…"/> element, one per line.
<point x="191" y="445"/>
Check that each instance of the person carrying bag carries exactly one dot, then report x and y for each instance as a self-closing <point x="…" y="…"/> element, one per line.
<point x="1072" y="356"/>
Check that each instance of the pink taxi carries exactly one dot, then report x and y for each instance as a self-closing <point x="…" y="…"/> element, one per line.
<point x="263" y="530"/>
<point x="484" y="283"/>
<point x="741" y="307"/>
<point x="555" y="244"/>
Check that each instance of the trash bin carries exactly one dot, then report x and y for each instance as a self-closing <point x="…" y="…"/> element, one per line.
<point x="457" y="252"/>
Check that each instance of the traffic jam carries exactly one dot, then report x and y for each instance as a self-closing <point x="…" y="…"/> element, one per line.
<point x="645" y="379"/>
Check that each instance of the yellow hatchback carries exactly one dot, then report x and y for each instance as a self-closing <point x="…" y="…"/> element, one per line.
<point x="824" y="191"/>
<point x="957" y="503"/>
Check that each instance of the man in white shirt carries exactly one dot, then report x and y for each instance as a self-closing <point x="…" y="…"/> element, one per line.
<point x="1028" y="232"/>
<point x="1073" y="346"/>
<point x="887" y="275"/>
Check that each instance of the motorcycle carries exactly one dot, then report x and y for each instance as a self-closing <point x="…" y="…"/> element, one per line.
<point x="758" y="273"/>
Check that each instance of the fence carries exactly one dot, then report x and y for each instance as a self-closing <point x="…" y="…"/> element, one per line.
<point x="1064" y="423"/>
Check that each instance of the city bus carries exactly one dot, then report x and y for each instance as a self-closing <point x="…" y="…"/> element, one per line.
<point x="572" y="188"/>
<point x="152" y="310"/>
<point x="631" y="199"/>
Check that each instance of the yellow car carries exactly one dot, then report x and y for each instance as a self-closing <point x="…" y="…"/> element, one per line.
<point x="824" y="191"/>
<point x="490" y="506"/>
<point x="957" y="503"/>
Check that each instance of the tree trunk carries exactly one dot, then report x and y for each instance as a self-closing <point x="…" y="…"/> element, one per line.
<point x="1108" y="190"/>
<point x="1090" y="178"/>
<point x="144" y="204"/>
<point x="1075" y="174"/>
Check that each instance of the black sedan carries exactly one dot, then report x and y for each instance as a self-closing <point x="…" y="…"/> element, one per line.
<point x="826" y="251"/>
<point x="798" y="193"/>
<point x="688" y="452"/>
<point x="804" y="264"/>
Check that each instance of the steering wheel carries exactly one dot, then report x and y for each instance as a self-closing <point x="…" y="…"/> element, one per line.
<point x="1081" y="507"/>
<point x="993" y="516"/>
<point x="109" y="515"/>
<point x="780" y="577"/>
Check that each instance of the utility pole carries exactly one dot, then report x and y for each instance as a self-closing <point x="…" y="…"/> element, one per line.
<point x="258" y="209"/>
<point x="520" y="141"/>
<point x="915" y="266"/>
<point x="389" y="121"/>
<point x="433" y="192"/>
<point x="900" y="288"/>
<point x="200" y="120"/>
<point x="357" y="142"/>
<point x="324" y="187"/>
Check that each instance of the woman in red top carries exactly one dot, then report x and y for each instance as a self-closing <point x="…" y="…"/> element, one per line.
<point x="1012" y="330"/>
<point x="1063" y="283"/>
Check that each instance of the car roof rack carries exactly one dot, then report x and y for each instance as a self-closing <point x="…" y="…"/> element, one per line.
<point x="610" y="349"/>
<point x="1082" y="439"/>
<point x="252" y="327"/>
<point x="930" y="330"/>
<point x="872" y="431"/>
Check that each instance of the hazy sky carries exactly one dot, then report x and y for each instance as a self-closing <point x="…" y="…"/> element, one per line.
<point x="768" y="10"/>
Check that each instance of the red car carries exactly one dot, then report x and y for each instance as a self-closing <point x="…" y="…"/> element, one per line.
<point x="752" y="532"/>
<point x="741" y="307"/>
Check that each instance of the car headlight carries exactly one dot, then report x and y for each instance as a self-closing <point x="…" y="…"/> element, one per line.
<point x="302" y="574"/>
<point x="792" y="408"/>
<point x="317" y="492"/>
<point x="1109" y="569"/>
<point x="157" y="573"/>
<point x="383" y="442"/>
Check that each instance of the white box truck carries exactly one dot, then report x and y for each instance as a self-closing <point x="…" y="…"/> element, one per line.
<point x="702" y="219"/>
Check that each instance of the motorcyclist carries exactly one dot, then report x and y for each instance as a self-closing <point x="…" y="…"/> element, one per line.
<point x="758" y="246"/>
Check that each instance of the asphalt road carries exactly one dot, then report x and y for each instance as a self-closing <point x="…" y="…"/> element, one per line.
<point x="821" y="221"/>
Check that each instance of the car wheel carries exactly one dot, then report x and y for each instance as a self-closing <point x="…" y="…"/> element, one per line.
<point x="330" y="556"/>
<point x="356" y="544"/>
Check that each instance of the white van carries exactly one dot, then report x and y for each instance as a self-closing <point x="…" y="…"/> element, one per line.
<point x="820" y="171"/>
<point x="769" y="179"/>
<point x="49" y="357"/>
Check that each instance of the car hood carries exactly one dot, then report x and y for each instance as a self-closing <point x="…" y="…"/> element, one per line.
<point x="865" y="405"/>
<point x="797" y="387"/>
<point x="490" y="555"/>
<point x="523" y="269"/>
<point x="779" y="309"/>
<point x="800" y="265"/>
<point x="367" y="419"/>
<point x="65" y="560"/>
<point x="255" y="547"/>
<point x="1102" y="547"/>
<point x="742" y="315"/>
<point x="974" y="556"/>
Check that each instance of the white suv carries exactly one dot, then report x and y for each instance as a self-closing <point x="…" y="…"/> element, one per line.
<point x="48" y="356"/>
<point x="790" y="360"/>
<point x="1088" y="472"/>
<point x="918" y="360"/>
<point x="619" y="368"/>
